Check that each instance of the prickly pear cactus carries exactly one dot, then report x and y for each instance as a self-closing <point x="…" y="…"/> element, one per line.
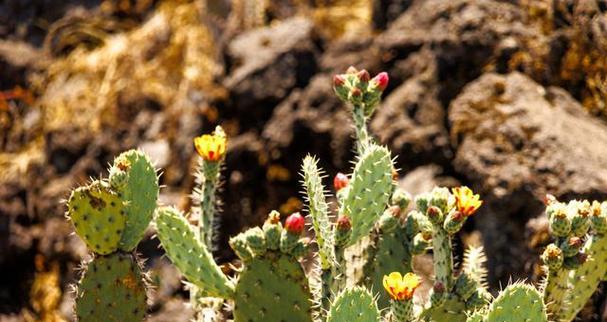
<point x="369" y="191"/>
<point x="112" y="289"/>
<point x="98" y="215"/>
<point x="354" y="305"/>
<point x="188" y="253"/>
<point x="518" y="302"/>
<point x="585" y="280"/>
<point x="272" y="288"/>
<point x="134" y="178"/>
<point x="272" y="285"/>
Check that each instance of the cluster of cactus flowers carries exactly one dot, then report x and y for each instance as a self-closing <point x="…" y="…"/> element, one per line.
<point x="365" y="244"/>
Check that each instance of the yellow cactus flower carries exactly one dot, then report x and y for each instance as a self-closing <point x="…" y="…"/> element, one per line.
<point x="466" y="201"/>
<point x="211" y="147"/>
<point x="401" y="287"/>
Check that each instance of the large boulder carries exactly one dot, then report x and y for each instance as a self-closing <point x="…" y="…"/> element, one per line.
<point x="515" y="142"/>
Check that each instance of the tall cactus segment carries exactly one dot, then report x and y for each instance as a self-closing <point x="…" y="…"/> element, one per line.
<point x="354" y="305"/>
<point x="111" y="216"/>
<point x="518" y="302"/>
<point x="98" y="215"/>
<point x="133" y="176"/>
<point x="212" y="149"/>
<point x="319" y="211"/>
<point x="112" y="289"/>
<point x="187" y="252"/>
<point x="369" y="191"/>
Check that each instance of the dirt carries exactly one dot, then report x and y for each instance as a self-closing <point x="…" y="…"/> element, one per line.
<point x="482" y="93"/>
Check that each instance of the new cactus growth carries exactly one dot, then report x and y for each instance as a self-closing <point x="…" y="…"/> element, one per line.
<point x="111" y="216"/>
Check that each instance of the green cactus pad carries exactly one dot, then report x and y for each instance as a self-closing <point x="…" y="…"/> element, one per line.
<point x="518" y="302"/>
<point x="98" y="216"/>
<point x="137" y="183"/>
<point x="112" y="289"/>
<point x="390" y="253"/>
<point x="354" y="305"/>
<point x="369" y="191"/>
<point x="273" y="288"/>
<point x="585" y="280"/>
<point x="453" y="310"/>
<point x="189" y="255"/>
<point x="319" y="211"/>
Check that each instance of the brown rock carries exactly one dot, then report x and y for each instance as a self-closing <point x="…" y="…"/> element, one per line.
<point x="517" y="141"/>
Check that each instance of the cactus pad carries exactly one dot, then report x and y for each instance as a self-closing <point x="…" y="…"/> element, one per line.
<point x="369" y="191"/>
<point x="354" y="305"/>
<point x="98" y="216"/>
<point x="189" y="255"/>
<point x="134" y="178"/>
<point x="112" y="289"/>
<point x="518" y="302"/>
<point x="390" y="253"/>
<point x="319" y="211"/>
<point x="273" y="288"/>
<point x="586" y="278"/>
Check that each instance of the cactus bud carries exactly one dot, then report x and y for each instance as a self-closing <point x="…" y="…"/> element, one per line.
<point x="356" y="92"/>
<point x="560" y="224"/>
<point x="256" y="240"/>
<point x="351" y="70"/>
<point x="571" y="246"/>
<point x="580" y="222"/>
<point x="598" y="218"/>
<point x="241" y="247"/>
<point x="380" y="81"/>
<point x="388" y="221"/>
<point x="420" y="244"/>
<point x="301" y="248"/>
<point x="400" y="198"/>
<point x="437" y="297"/>
<point x="575" y="262"/>
<point x="454" y="222"/>
<point x="553" y="257"/>
<point x="295" y="224"/>
<point x="339" y="80"/>
<point x="343" y="231"/>
<point x="363" y="76"/>
<point x="340" y="181"/>
<point x="435" y="215"/>
<point x="422" y="202"/>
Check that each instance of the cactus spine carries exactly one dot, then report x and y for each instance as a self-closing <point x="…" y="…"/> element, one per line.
<point x="111" y="217"/>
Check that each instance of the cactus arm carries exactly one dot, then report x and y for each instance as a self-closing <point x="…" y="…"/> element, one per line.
<point x="188" y="253"/>
<point x="369" y="191"/>
<point x="207" y="179"/>
<point x="443" y="258"/>
<point x="133" y="176"/>
<point x="474" y="265"/>
<point x="354" y="305"/>
<point x="319" y="211"/>
<point x="585" y="280"/>
<point x="363" y="139"/>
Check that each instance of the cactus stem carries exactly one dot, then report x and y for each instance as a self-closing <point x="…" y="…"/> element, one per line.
<point x="443" y="259"/>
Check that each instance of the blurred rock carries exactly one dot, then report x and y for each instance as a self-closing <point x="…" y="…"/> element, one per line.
<point x="267" y="63"/>
<point x="517" y="141"/>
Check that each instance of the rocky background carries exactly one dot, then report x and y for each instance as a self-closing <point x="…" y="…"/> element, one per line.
<point x="507" y="97"/>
